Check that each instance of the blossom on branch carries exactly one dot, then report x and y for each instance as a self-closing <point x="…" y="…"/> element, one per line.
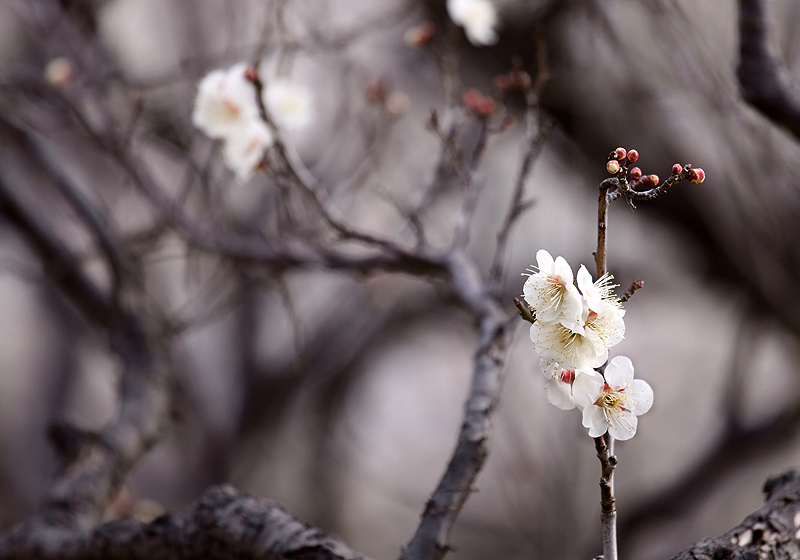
<point x="615" y="404"/>
<point x="550" y="291"/>
<point x="477" y="17"/>
<point x="560" y="381"/>
<point x="244" y="150"/>
<point x="288" y="103"/>
<point x="225" y="102"/>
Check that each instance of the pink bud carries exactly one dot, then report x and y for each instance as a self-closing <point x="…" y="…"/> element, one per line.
<point x="696" y="175"/>
<point x="508" y="121"/>
<point x="636" y="173"/>
<point x="633" y="155"/>
<point x="620" y="153"/>
<point x="613" y="167"/>
<point x="59" y="72"/>
<point x="677" y="169"/>
<point x="653" y="179"/>
<point x="420" y="35"/>
<point x="376" y="91"/>
<point x="251" y="74"/>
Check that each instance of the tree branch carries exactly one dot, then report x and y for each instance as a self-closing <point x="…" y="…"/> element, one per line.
<point x="223" y="524"/>
<point x="766" y="82"/>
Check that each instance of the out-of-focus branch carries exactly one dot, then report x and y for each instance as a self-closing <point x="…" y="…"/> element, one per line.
<point x="766" y="82"/>
<point x="430" y="541"/>
<point x="225" y="521"/>
<point x="97" y="463"/>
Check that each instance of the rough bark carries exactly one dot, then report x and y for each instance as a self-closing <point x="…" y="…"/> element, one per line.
<point x="769" y="533"/>
<point x="224" y="523"/>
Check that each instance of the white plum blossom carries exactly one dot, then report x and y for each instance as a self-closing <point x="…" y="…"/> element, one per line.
<point x="613" y="405"/>
<point x="550" y="291"/>
<point x="244" y="149"/>
<point x="288" y="103"/>
<point x="600" y="294"/>
<point x="571" y="345"/>
<point x="560" y="381"/>
<point x="225" y="102"/>
<point x="477" y="17"/>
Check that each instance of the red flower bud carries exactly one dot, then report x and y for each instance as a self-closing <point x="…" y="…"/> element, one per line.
<point x="696" y="175"/>
<point x="251" y="74"/>
<point x="420" y="35"/>
<point x="620" y="153"/>
<point x="375" y="91"/>
<point x="636" y="173"/>
<point x="677" y="169"/>
<point x="653" y="179"/>
<point x="613" y="167"/>
<point x="633" y="155"/>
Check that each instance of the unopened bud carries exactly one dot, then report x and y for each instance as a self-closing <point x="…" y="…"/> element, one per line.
<point x="653" y="180"/>
<point x="486" y="107"/>
<point x="503" y="82"/>
<point x="620" y="153"/>
<point x="636" y="173"/>
<point x="633" y="156"/>
<point x="508" y="121"/>
<point x="420" y="35"/>
<point x="251" y="74"/>
<point x="677" y="169"/>
<point x="613" y="167"/>
<point x="59" y="72"/>
<point x="696" y="175"/>
<point x="397" y="103"/>
<point x="375" y="91"/>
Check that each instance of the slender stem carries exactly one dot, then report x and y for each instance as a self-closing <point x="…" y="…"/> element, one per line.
<point x="605" y="443"/>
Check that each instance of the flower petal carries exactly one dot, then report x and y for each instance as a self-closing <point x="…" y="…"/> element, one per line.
<point x="560" y="394"/>
<point x="640" y="396"/>
<point x="623" y="426"/>
<point x="594" y="419"/>
<point x="544" y="261"/>
<point x="587" y="387"/>
<point x="619" y="372"/>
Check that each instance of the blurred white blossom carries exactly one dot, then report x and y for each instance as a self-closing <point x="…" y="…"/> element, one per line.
<point x="288" y="103"/>
<point x="244" y="149"/>
<point x="477" y="17"/>
<point x="225" y="102"/>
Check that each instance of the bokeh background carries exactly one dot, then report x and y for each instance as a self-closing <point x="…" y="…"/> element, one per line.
<point x="341" y="396"/>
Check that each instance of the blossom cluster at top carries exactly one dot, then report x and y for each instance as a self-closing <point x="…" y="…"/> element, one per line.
<point x="477" y="17"/>
<point x="573" y="329"/>
<point x="227" y="109"/>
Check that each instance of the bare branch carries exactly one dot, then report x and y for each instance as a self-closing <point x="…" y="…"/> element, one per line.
<point x="766" y="82"/>
<point x="230" y="523"/>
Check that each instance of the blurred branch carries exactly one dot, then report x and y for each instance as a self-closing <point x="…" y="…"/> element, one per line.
<point x="767" y="83"/>
<point x="96" y="464"/>
<point x="430" y="541"/>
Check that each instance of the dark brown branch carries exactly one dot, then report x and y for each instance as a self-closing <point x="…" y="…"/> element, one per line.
<point x="101" y="463"/>
<point x="636" y="285"/>
<point x="430" y="541"/>
<point x="769" y="532"/>
<point x="766" y="82"/>
<point x="223" y="524"/>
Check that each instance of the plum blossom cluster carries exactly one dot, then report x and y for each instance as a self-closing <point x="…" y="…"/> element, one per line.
<point x="573" y="329"/>
<point x="227" y="109"/>
<point x="477" y="17"/>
